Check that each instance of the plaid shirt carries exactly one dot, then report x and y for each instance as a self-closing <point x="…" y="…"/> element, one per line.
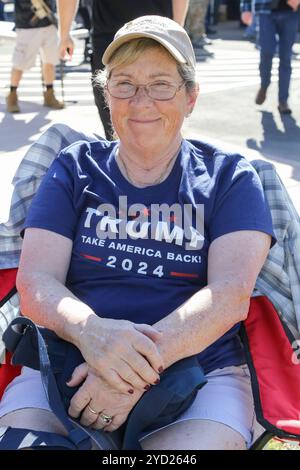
<point x="279" y="278"/>
<point x="260" y="6"/>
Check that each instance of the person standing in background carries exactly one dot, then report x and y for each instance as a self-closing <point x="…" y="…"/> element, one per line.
<point x="195" y="23"/>
<point x="276" y="18"/>
<point x="107" y="17"/>
<point x="36" y="33"/>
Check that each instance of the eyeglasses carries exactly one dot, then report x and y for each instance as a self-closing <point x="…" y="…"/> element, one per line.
<point x="160" y="90"/>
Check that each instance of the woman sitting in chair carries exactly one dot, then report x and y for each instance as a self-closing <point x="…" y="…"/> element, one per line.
<point x="144" y="251"/>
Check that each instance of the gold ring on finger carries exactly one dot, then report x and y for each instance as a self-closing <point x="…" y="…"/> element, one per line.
<point x="92" y="411"/>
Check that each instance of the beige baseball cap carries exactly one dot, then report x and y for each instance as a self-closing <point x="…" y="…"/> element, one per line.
<point x="163" y="30"/>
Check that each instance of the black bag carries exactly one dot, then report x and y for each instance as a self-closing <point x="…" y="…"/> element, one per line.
<point x="43" y="350"/>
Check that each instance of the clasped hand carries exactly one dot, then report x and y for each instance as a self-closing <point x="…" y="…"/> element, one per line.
<point x="95" y="398"/>
<point x="125" y="355"/>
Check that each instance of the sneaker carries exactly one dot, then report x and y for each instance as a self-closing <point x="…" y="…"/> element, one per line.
<point x="203" y="52"/>
<point x="261" y="96"/>
<point x="12" y="104"/>
<point x="50" y="101"/>
<point x="283" y="108"/>
<point x="201" y="42"/>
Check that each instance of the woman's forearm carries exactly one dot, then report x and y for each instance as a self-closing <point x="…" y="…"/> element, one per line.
<point x="50" y="304"/>
<point x="126" y="356"/>
<point x="196" y="324"/>
<point x="200" y="321"/>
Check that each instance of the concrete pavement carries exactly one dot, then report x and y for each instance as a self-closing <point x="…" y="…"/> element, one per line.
<point x="230" y="116"/>
<point x="225" y="113"/>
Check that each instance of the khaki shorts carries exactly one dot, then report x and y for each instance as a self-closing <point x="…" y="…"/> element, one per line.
<point x="32" y="41"/>
<point x="226" y="398"/>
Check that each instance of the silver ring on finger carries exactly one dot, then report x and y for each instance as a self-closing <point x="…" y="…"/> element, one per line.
<point x="91" y="410"/>
<point x="107" y="419"/>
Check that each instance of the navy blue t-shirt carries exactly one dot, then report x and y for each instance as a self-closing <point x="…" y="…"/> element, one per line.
<point x="139" y="253"/>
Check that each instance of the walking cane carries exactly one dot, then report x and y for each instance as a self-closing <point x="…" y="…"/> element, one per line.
<point x="62" y="72"/>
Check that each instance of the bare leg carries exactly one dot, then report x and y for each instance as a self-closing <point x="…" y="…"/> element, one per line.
<point x="15" y="77"/>
<point x="195" y="435"/>
<point x="48" y="74"/>
<point x="35" y="419"/>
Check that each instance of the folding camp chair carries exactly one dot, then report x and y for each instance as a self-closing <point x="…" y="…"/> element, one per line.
<point x="274" y="369"/>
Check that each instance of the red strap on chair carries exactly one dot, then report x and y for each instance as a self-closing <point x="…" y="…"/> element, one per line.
<point x="275" y="377"/>
<point x="7" y="371"/>
<point x="7" y="281"/>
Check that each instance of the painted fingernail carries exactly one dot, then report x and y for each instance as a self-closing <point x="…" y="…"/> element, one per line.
<point x="131" y="391"/>
<point x="157" y="382"/>
<point x="147" y="387"/>
<point x="69" y="379"/>
<point x="160" y="370"/>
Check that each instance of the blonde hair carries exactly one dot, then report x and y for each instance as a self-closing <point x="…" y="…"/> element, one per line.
<point x="130" y="51"/>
